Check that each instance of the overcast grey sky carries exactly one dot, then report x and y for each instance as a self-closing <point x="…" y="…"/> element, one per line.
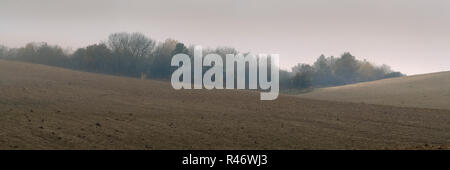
<point x="412" y="36"/>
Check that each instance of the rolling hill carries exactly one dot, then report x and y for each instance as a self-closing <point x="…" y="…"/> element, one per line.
<point x="420" y="91"/>
<point x="44" y="107"/>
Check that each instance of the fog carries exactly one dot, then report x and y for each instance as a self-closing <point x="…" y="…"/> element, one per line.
<point x="409" y="35"/>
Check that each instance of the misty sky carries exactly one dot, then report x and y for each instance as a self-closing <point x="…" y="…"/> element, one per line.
<point x="412" y="36"/>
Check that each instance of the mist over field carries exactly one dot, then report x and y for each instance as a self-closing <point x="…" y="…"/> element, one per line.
<point x="411" y="36"/>
<point x="99" y="74"/>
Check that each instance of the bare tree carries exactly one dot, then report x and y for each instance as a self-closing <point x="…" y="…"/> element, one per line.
<point x="136" y="45"/>
<point x="131" y="51"/>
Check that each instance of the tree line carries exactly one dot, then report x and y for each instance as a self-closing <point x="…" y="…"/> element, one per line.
<point x="135" y="55"/>
<point x="334" y="71"/>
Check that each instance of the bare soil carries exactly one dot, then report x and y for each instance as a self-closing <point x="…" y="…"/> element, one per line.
<point x="44" y="107"/>
<point x="422" y="91"/>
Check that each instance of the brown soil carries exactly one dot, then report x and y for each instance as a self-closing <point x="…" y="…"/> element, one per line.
<point x="423" y="91"/>
<point x="45" y="107"/>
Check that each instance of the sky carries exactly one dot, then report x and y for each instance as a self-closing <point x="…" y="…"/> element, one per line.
<point x="411" y="36"/>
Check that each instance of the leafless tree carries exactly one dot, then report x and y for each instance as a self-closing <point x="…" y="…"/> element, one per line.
<point x="136" y="45"/>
